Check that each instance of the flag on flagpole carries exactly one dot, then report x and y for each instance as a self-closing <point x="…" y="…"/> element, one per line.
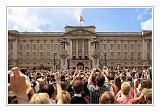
<point x="81" y="18"/>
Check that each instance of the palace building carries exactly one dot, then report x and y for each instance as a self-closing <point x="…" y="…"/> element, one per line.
<point x="79" y="46"/>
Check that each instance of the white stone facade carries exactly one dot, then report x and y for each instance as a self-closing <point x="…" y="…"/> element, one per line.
<point x="79" y="45"/>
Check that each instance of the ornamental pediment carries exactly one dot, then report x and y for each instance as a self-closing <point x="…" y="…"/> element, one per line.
<point x="79" y="32"/>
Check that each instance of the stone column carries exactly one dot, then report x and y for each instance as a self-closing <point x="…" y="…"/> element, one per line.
<point x="82" y="48"/>
<point x="89" y="49"/>
<point x="15" y="49"/>
<point x="70" y="53"/>
<point x="77" y="49"/>
<point x="144" y="49"/>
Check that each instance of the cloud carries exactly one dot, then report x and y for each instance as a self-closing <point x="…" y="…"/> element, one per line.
<point x="42" y="19"/>
<point x="146" y="25"/>
<point x="144" y="17"/>
<point x="143" y="13"/>
<point x="139" y="17"/>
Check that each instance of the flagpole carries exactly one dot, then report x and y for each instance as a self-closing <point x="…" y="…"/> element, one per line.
<point x="80" y="19"/>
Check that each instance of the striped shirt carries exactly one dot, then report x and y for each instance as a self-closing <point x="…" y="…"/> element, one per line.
<point x="96" y="91"/>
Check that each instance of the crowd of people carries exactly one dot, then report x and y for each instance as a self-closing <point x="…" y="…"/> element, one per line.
<point x="110" y="85"/>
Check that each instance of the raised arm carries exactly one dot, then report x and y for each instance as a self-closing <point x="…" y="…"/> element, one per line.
<point x="105" y="73"/>
<point x="91" y="75"/>
<point x="59" y="88"/>
<point x="74" y="76"/>
<point x="20" y="85"/>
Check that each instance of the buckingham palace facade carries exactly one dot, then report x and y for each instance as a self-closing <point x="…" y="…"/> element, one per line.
<point x="79" y="45"/>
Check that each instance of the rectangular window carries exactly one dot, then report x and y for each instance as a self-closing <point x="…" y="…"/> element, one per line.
<point x="38" y="41"/>
<point x="132" y="46"/>
<point x="79" y="47"/>
<point x="112" y="55"/>
<point x="118" y="55"/>
<point x="86" y="47"/>
<point x="104" y="46"/>
<point x="37" y="47"/>
<point x="55" y="47"/>
<point x="41" y="55"/>
<point x="74" y="47"/>
<point x="41" y="47"/>
<point x="27" y="54"/>
<point x="34" y="55"/>
<point x="148" y="46"/>
<point x="125" y="46"/>
<point x="34" y="47"/>
<point x="132" y="55"/>
<point x="27" y="46"/>
<point x="31" y="47"/>
<point x="139" y="55"/>
<point x="148" y="55"/>
<point x="52" y="47"/>
<point x="20" y="55"/>
<point x="20" y="47"/>
<point x="111" y="46"/>
<point x="135" y="41"/>
<point x="48" y="54"/>
<point x="125" y="55"/>
<point x="37" y="55"/>
<point x="139" y="46"/>
<point x="48" y="47"/>
<point x="118" y="46"/>
<point x="31" y="41"/>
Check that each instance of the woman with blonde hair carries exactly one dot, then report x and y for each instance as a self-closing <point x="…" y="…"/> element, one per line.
<point x="40" y="98"/>
<point x="125" y="96"/>
<point x="66" y="97"/>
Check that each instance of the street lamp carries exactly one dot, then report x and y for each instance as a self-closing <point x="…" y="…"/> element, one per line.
<point x="54" y="61"/>
<point x="105" y="58"/>
<point x="63" y="42"/>
<point x="95" y="42"/>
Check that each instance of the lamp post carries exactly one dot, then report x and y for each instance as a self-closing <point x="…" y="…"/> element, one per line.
<point x="63" y="42"/>
<point x="95" y="42"/>
<point x="105" y="61"/>
<point x="54" y="61"/>
<point x="96" y="53"/>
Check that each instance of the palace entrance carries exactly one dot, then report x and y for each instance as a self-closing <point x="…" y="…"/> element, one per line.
<point x="80" y="66"/>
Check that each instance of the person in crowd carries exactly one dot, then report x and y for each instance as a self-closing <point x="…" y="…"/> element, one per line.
<point x="49" y="89"/>
<point x="117" y="85"/>
<point x="66" y="95"/>
<point x="40" y="98"/>
<point x="125" y="96"/>
<point x="77" y="97"/>
<point x="107" y="98"/>
<point x="144" y="98"/>
<point x="101" y="85"/>
<point x="21" y="87"/>
<point x="109" y="85"/>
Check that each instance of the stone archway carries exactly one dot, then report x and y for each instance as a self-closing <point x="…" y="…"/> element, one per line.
<point x="80" y="66"/>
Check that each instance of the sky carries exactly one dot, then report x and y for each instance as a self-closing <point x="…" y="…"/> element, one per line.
<point x="51" y="19"/>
